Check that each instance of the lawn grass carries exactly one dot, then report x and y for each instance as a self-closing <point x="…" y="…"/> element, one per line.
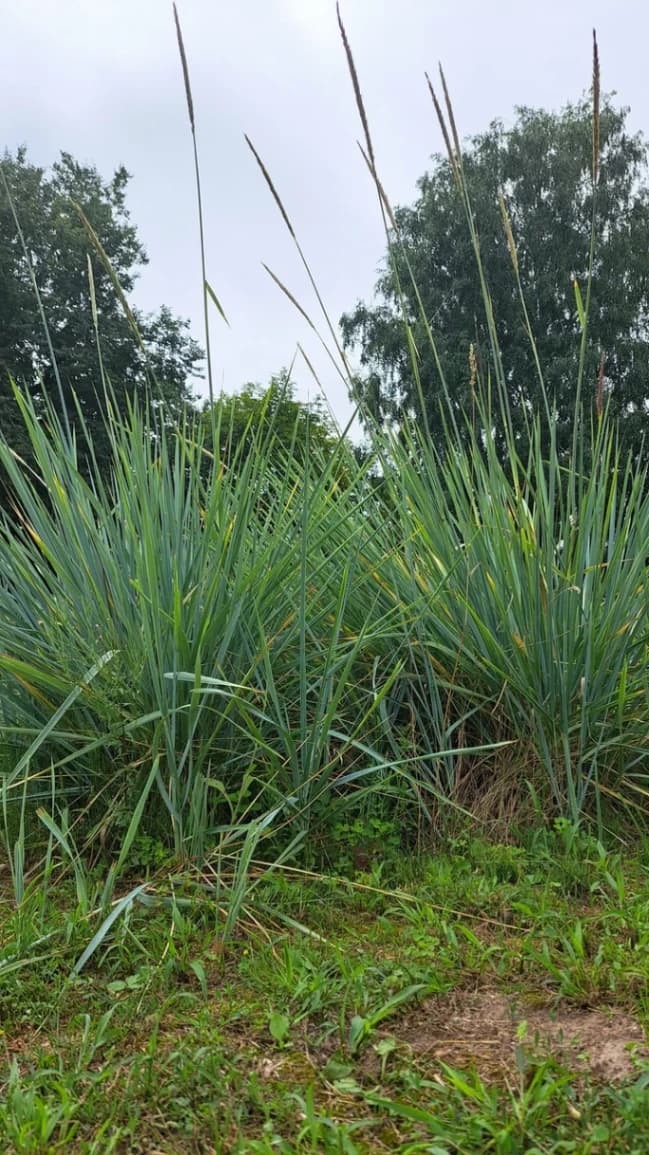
<point x="431" y="1008"/>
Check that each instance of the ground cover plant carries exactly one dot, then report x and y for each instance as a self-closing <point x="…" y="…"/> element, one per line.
<point x="228" y="677"/>
<point x="488" y="998"/>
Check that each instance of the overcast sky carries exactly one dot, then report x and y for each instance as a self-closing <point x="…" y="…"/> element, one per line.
<point x="101" y="79"/>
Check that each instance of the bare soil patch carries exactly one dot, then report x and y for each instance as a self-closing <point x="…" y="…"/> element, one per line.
<point x="484" y="1028"/>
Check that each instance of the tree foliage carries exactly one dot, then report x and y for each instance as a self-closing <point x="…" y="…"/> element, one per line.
<point x="254" y="414"/>
<point x="54" y="242"/>
<point x="543" y="166"/>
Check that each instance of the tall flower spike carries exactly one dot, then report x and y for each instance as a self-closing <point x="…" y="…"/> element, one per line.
<point x="357" y="88"/>
<point x="183" y="59"/>
<point x="596" y="117"/>
<point x="507" y="225"/>
<point x="445" y="133"/>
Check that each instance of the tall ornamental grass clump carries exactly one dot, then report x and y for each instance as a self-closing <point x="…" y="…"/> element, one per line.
<point x="245" y="648"/>
<point x="528" y="570"/>
<point x="536" y="615"/>
<point x="199" y="648"/>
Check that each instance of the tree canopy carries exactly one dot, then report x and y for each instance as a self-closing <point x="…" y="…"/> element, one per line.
<point x="244" y="419"/>
<point x="55" y="243"/>
<point x="543" y="166"/>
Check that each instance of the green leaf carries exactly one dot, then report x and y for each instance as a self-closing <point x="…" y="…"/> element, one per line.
<point x="359" y="1029"/>
<point x="213" y="297"/>
<point x="279" y="1026"/>
<point x="199" y="970"/>
<point x="581" y="312"/>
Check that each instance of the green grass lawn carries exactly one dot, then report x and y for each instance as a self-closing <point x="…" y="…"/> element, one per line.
<point x="489" y="998"/>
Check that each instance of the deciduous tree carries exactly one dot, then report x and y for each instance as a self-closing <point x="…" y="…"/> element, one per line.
<point x="543" y="167"/>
